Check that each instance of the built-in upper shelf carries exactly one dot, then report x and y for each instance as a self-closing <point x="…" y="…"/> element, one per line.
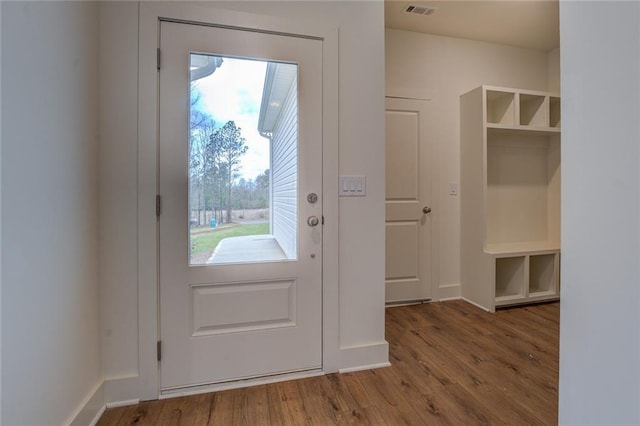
<point x="521" y="110"/>
<point x="501" y="107"/>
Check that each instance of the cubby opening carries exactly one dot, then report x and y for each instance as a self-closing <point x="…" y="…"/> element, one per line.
<point x="533" y="110"/>
<point x="542" y="273"/>
<point x="510" y="276"/>
<point x="500" y="107"/>
<point x="554" y="112"/>
<point x="522" y="186"/>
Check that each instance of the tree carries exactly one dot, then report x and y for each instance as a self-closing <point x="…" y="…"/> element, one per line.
<point x="227" y="142"/>
<point x="215" y="172"/>
<point x="197" y="118"/>
<point x="199" y="167"/>
<point x="262" y="188"/>
<point x="201" y="125"/>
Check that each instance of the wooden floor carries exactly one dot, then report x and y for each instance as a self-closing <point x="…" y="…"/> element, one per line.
<point x="451" y="364"/>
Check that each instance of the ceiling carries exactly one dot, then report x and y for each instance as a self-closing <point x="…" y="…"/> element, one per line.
<point x="532" y="24"/>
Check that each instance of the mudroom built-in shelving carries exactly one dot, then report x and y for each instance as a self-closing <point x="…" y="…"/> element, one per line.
<point x="510" y="196"/>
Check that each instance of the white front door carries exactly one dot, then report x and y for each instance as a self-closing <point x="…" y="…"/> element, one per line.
<point x="408" y="202"/>
<point x="251" y="307"/>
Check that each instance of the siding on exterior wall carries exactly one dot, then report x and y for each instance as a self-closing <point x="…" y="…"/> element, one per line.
<point x="284" y="173"/>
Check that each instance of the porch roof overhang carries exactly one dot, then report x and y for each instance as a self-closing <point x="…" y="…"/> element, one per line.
<point x="203" y="65"/>
<point x="277" y="82"/>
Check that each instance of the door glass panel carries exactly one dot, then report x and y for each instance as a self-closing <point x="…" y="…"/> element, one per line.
<point x="243" y="160"/>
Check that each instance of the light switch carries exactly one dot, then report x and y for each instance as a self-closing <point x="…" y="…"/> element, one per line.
<point x="353" y="186"/>
<point x="453" y="188"/>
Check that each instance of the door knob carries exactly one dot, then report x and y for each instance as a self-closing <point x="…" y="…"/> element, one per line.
<point x="313" y="221"/>
<point x="426" y="210"/>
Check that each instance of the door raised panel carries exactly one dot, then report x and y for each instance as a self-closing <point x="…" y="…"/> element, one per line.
<point x="269" y="304"/>
<point x="402" y="250"/>
<point x="401" y="155"/>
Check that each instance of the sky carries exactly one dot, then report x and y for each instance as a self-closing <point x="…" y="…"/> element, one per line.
<point x="234" y="92"/>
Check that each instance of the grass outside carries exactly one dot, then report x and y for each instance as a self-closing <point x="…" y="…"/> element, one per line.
<point x="208" y="241"/>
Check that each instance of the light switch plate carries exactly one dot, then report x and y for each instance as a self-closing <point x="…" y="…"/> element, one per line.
<point x="353" y="186"/>
<point x="453" y="188"/>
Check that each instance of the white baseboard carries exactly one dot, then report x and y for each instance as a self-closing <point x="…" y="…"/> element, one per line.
<point x="365" y="357"/>
<point x="364" y="367"/>
<point x="107" y="393"/>
<point x="90" y="409"/>
<point x="449" y="292"/>
<point x="122" y="403"/>
<point x="121" y="391"/>
<point x="476" y="305"/>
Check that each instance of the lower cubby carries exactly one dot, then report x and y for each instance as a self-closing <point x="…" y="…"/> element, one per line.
<point x="542" y="274"/>
<point x="510" y="277"/>
<point x="522" y="278"/>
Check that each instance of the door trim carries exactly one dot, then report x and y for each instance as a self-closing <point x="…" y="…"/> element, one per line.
<point x="150" y="15"/>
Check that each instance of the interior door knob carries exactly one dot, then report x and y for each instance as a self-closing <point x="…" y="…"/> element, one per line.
<point x="313" y="221"/>
<point x="426" y="210"/>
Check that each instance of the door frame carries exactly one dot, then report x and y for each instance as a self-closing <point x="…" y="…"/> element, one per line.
<point x="426" y="98"/>
<point x="151" y="13"/>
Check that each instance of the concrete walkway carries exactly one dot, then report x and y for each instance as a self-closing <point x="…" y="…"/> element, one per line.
<point x="251" y="248"/>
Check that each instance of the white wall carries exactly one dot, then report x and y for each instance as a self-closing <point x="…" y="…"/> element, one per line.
<point x="361" y="151"/>
<point x="117" y="187"/>
<point x="50" y="341"/>
<point x="0" y="218"/>
<point x="441" y="69"/>
<point x="553" y="70"/>
<point x="600" y="297"/>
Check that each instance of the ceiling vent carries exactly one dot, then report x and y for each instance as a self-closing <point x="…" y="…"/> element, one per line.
<point x="420" y="10"/>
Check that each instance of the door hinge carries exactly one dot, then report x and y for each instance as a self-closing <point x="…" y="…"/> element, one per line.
<point x="158" y="58"/>
<point x="159" y="350"/>
<point x="158" y="205"/>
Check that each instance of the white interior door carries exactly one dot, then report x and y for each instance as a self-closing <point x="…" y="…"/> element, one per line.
<point x="408" y="202"/>
<point x="252" y="307"/>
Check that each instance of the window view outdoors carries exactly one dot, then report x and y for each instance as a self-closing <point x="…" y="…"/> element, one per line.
<point x="243" y="124"/>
